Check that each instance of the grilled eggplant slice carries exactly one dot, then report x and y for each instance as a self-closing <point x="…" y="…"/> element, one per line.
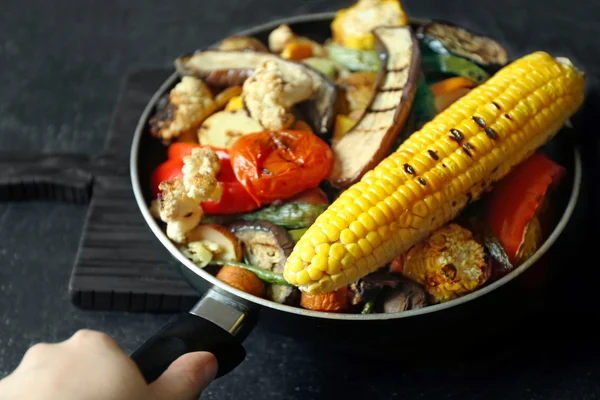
<point x="444" y="37"/>
<point x="264" y="245"/>
<point x="370" y="140"/>
<point x="230" y="68"/>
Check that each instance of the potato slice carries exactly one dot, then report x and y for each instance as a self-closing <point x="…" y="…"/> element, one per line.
<point x="228" y="242"/>
<point x="222" y="128"/>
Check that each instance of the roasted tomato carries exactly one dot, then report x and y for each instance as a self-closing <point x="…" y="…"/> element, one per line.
<point x="278" y="165"/>
<point x="235" y="198"/>
<point x="513" y="206"/>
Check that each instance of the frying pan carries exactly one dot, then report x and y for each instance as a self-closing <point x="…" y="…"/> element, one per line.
<point x="224" y="316"/>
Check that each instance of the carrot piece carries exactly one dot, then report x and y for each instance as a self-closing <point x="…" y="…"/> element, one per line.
<point x="331" y="301"/>
<point x="297" y="51"/>
<point x="451" y="84"/>
<point x="302" y="126"/>
<point x="241" y="279"/>
<point x="445" y="100"/>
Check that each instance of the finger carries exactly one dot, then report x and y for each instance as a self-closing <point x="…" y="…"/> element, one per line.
<point x="187" y="377"/>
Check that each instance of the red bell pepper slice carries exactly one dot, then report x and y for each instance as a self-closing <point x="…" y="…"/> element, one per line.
<point x="235" y="197"/>
<point x="515" y="199"/>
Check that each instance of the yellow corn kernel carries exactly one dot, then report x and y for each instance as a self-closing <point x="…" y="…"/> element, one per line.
<point x="355" y="250"/>
<point x="347" y="236"/>
<point x="337" y="251"/>
<point x="395" y="206"/>
<point x="365" y="246"/>
<point x="358" y="229"/>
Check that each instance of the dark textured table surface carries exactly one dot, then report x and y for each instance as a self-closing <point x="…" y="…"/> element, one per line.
<point x="61" y="65"/>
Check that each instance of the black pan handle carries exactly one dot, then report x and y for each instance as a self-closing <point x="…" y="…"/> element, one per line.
<point x="62" y="177"/>
<point x="218" y="323"/>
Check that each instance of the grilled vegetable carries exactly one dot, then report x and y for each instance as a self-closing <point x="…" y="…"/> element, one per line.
<point x="296" y="234"/>
<point x="451" y="84"/>
<point x="297" y="51"/>
<point x="283" y="294"/>
<point x="224" y="127"/>
<point x="449" y="90"/>
<point x="370" y="140"/>
<point x="357" y="89"/>
<point x="309" y="196"/>
<point x="324" y="65"/>
<point x="283" y="41"/>
<point x="408" y="296"/>
<point x="277" y="165"/>
<point x="224" y="97"/>
<point x="448" y="264"/>
<point x="239" y="43"/>
<point x="262" y="274"/>
<point x="501" y="264"/>
<point x="241" y="279"/>
<point x="437" y="171"/>
<point x="230" y="248"/>
<point x="342" y="126"/>
<point x="354" y="60"/>
<point x="229" y="68"/>
<point x="447" y="64"/>
<point x="336" y="301"/>
<point x="444" y="37"/>
<point x="289" y="215"/>
<point x="352" y="27"/>
<point x="516" y="201"/>
<point x="235" y="104"/>
<point x="190" y="102"/>
<point x="423" y="108"/>
<point x="264" y="245"/>
<point x="234" y="197"/>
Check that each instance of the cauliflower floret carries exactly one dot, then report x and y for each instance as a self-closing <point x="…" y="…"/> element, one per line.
<point x="200" y="170"/>
<point x="190" y="103"/>
<point x="273" y="89"/>
<point x="179" y="201"/>
<point x="357" y="22"/>
<point x="180" y="212"/>
<point x="279" y="37"/>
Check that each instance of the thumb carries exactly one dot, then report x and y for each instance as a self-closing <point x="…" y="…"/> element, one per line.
<point x="186" y="377"/>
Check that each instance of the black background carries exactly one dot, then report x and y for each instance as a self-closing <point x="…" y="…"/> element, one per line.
<point x="61" y="66"/>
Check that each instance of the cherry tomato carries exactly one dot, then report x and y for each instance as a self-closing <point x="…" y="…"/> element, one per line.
<point x="278" y="165"/>
<point x="235" y="198"/>
<point x="516" y="198"/>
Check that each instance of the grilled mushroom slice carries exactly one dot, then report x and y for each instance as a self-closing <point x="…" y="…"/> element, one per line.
<point x="228" y="68"/>
<point x="371" y="138"/>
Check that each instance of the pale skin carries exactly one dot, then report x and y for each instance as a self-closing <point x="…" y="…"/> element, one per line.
<point x="91" y="366"/>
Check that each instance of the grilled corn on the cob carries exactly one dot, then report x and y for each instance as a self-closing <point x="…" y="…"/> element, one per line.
<point x="436" y="172"/>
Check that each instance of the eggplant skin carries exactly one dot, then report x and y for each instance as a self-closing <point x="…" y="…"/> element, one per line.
<point x="465" y="43"/>
<point x="264" y="245"/>
<point x="372" y="137"/>
<point x="220" y="69"/>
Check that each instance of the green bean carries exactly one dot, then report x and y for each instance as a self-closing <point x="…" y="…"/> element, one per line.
<point x="262" y="274"/>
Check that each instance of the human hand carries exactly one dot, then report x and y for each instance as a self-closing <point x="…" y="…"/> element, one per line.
<point x="90" y="365"/>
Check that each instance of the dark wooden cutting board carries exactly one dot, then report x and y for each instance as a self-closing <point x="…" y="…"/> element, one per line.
<point x="120" y="265"/>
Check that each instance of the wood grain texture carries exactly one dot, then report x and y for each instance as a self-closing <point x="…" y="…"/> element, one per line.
<point x="120" y="265"/>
